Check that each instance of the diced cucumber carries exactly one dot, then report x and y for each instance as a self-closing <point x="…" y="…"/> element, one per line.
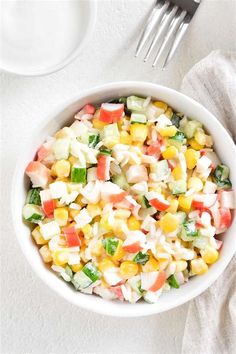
<point x="111" y="130"/>
<point x="138" y="118"/>
<point x="191" y="127"/>
<point x="33" y="196"/>
<point x="104" y="151"/>
<point x="61" y="148"/>
<point x="173" y="282"/>
<point x="142" y="200"/>
<point x="81" y="281"/>
<point x="141" y="258"/>
<point x="221" y="172"/>
<point x="181" y="215"/>
<point x="160" y="169"/>
<point x="67" y="274"/>
<point x="189" y="231"/>
<point x="175" y="119"/>
<point x="91" y="271"/>
<point x="110" y="245"/>
<point x="201" y="242"/>
<point x="135" y="103"/>
<point x="135" y="283"/>
<point x="93" y="140"/>
<point x="78" y="174"/>
<point x="176" y="143"/>
<point x="121" y="181"/>
<point x="179" y="136"/>
<point x="225" y="184"/>
<point x="32" y="213"/>
<point x="178" y="187"/>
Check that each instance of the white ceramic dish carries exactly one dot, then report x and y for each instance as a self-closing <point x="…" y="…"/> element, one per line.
<point x="224" y="146"/>
<point x="40" y="37"/>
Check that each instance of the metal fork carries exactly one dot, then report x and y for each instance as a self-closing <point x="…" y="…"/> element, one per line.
<point x="165" y="28"/>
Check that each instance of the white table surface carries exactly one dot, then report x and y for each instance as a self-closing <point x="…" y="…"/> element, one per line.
<point x="34" y="318"/>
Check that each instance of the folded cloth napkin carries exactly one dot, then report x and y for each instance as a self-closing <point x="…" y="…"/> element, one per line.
<point x="211" y="318"/>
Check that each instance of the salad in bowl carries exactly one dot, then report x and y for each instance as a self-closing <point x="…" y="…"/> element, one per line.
<point x="129" y="200"/>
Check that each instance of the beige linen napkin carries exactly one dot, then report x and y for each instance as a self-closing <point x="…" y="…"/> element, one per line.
<point x="211" y="318"/>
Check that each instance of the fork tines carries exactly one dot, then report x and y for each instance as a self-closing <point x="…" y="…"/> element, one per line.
<point x="165" y="28"/>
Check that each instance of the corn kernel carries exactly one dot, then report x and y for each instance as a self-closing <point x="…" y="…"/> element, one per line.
<point x="119" y="253"/>
<point x="79" y="199"/>
<point x="97" y="219"/>
<point x="177" y="172"/>
<point x="45" y="254"/>
<point x="209" y="141"/>
<point x="38" y="237"/>
<point x="170" y="152"/>
<point x="122" y="214"/>
<point x="169" y="113"/>
<point x="161" y="105"/>
<point x="198" y="266"/>
<point x="185" y="202"/>
<point x="62" y="168"/>
<point x="151" y="266"/>
<point x="97" y="249"/>
<point x="60" y="257"/>
<point x="65" y="132"/>
<point x="94" y="210"/>
<point x="195" y="183"/>
<point x="125" y="138"/>
<point x="101" y="204"/>
<point x="73" y="160"/>
<point x="181" y="265"/>
<point x="163" y="263"/>
<point x="117" y="226"/>
<point x="61" y="216"/>
<point x="169" y="222"/>
<point x="105" y="224"/>
<point x="173" y="206"/>
<point x="128" y="269"/>
<point x="191" y="157"/>
<point x="194" y="144"/>
<point x="133" y="223"/>
<point x="138" y="132"/>
<point x="111" y="141"/>
<point x="73" y="213"/>
<point x="168" y="131"/>
<point x="200" y="137"/>
<point x="87" y="231"/>
<point x="106" y="263"/>
<point x="209" y="255"/>
<point x="98" y="124"/>
<point x="76" y="267"/>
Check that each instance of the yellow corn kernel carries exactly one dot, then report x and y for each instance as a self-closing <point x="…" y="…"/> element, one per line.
<point x="106" y="263"/>
<point x="168" y="113"/>
<point x="177" y="172"/>
<point x="173" y="206"/>
<point x="37" y="236"/>
<point x="163" y="263"/>
<point x="169" y="222"/>
<point x="45" y="254"/>
<point x="98" y="124"/>
<point x="192" y="142"/>
<point x="138" y="132"/>
<point x="133" y="223"/>
<point x="60" y="257"/>
<point x="73" y="213"/>
<point x="161" y="105"/>
<point x="191" y="157"/>
<point x="185" y="202"/>
<point x="209" y="255"/>
<point x="168" y="131"/>
<point x="65" y="132"/>
<point x="209" y="141"/>
<point x="119" y="253"/>
<point x="200" y="137"/>
<point x="87" y="231"/>
<point x="79" y="199"/>
<point x="122" y="214"/>
<point x="76" y="267"/>
<point x="97" y="249"/>
<point x="97" y="219"/>
<point x="198" y="266"/>
<point x="195" y="183"/>
<point x="61" y="216"/>
<point x="170" y="152"/>
<point x="105" y="224"/>
<point x="101" y="204"/>
<point x="181" y="265"/>
<point x="62" y="168"/>
<point x="73" y="160"/>
<point x="111" y="141"/>
<point x="151" y="266"/>
<point x="128" y="269"/>
<point x="53" y="171"/>
<point x="94" y="210"/>
<point x="125" y="138"/>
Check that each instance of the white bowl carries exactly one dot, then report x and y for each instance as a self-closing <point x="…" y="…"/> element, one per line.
<point x="224" y="146"/>
<point x="41" y="37"/>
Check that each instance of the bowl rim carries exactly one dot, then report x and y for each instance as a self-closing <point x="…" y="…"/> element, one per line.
<point x="92" y="5"/>
<point x="88" y="305"/>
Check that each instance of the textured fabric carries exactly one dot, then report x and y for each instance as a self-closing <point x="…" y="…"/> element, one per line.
<point x="211" y="319"/>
